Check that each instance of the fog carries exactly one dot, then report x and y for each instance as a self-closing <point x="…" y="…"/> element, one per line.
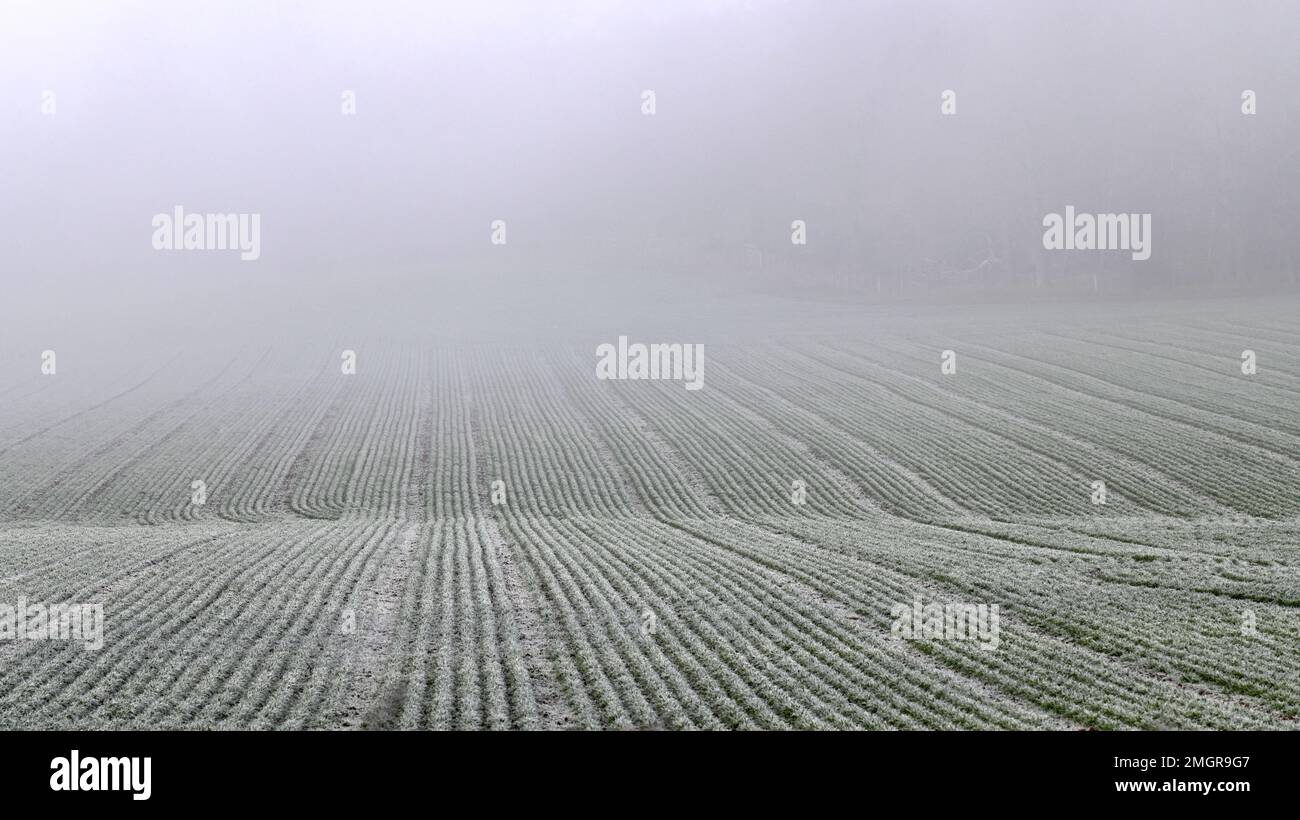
<point x="534" y="114"/>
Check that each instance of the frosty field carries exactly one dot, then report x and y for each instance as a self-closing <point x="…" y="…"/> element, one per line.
<point x="643" y="562"/>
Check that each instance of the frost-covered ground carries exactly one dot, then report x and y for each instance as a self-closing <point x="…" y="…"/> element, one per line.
<point x="737" y="556"/>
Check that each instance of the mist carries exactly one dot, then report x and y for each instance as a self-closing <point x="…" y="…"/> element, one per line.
<point x="921" y="146"/>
